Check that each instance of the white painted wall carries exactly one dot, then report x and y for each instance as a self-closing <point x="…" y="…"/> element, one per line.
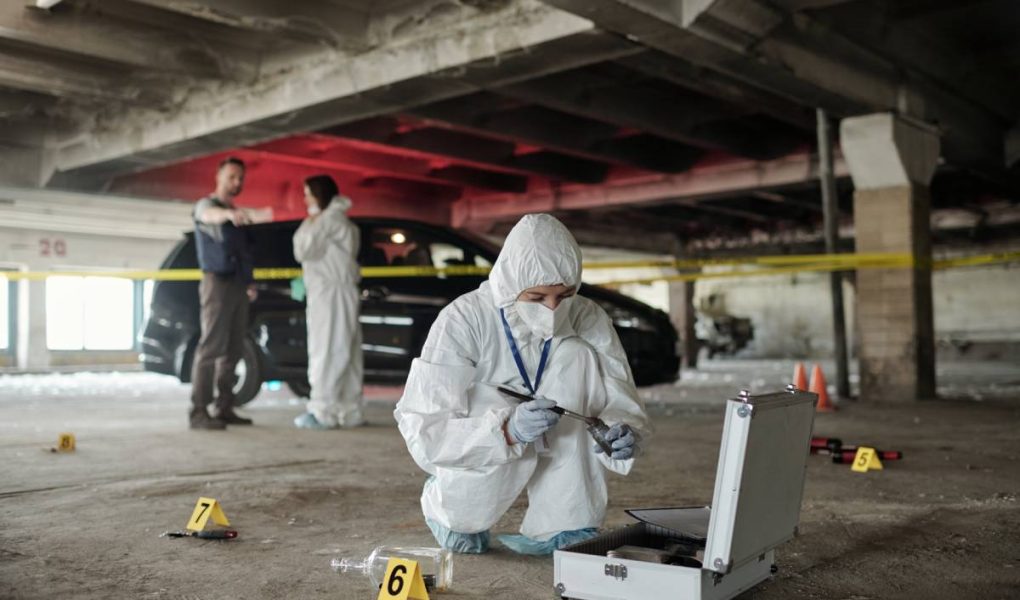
<point x="43" y="230"/>
<point x="792" y="314"/>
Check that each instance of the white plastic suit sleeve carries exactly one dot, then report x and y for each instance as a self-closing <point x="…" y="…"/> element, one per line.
<point x="623" y="404"/>
<point x="311" y="240"/>
<point x="435" y="419"/>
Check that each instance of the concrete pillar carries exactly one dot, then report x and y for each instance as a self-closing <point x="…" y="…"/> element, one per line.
<point x="681" y="314"/>
<point x="891" y="161"/>
<point x="32" y="351"/>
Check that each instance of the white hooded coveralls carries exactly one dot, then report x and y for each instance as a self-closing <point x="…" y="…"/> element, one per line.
<point x="327" y="248"/>
<point x="452" y="417"/>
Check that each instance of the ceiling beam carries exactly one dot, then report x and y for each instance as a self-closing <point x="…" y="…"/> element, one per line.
<point x="705" y="181"/>
<point x="711" y="208"/>
<point x="798" y="58"/>
<point x="468" y="148"/>
<point x="368" y="163"/>
<point x="321" y="91"/>
<point x="600" y="233"/>
<point x="89" y="34"/>
<point x="588" y="96"/>
<point x="15" y="103"/>
<point x="778" y="198"/>
<point x="717" y="85"/>
<point x="339" y="25"/>
<point x="948" y="67"/>
<point x="487" y="115"/>
<point x="52" y="77"/>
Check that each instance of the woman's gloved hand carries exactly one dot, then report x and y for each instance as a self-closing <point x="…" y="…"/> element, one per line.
<point x="531" y="419"/>
<point x="624" y="441"/>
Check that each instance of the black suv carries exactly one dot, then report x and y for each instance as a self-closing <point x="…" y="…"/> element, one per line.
<point x="396" y="312"/>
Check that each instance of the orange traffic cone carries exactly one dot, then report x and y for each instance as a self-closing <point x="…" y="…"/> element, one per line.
<point x="800" y="377"/>
<point x="818" y="387"/>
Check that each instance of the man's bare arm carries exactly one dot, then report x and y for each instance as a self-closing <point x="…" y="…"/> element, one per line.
<point x="215" y="215"/>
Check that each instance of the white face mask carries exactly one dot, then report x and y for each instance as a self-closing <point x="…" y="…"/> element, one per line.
<point x="314" y="210"/>
<point x="541" y="321"/>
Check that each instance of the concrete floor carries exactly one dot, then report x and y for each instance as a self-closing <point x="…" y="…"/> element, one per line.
<point x="943" y="523"/>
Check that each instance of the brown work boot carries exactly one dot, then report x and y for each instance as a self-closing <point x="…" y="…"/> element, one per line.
<point x="232" y="418"/>
<point x="201" y="420"/>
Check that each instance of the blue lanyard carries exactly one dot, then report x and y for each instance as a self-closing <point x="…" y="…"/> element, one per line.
<point x="517" y="356"/>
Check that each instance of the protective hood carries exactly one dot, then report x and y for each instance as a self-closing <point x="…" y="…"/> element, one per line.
<point x="341" y="203"/>
<point x="538" y="251"/>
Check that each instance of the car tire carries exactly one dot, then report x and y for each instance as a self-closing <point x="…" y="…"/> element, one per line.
<point x="300" y="387"/>
<point x="249" y="373"/>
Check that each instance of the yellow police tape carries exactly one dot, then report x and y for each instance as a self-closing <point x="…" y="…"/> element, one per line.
<point x="759" y="266"/>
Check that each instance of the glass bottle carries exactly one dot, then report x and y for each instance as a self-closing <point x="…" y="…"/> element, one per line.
<point x="435" y="564"/>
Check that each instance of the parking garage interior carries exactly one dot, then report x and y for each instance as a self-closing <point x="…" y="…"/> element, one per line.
<point x="756" y="186"/>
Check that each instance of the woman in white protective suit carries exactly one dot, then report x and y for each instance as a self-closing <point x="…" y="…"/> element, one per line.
<point x="326" y="244"/>
<point x="527" y="329"/>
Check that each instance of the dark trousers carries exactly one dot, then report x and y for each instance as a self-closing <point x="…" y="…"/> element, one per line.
<point x="224" y="301"/>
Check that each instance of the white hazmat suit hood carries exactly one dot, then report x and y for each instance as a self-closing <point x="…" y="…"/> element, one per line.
<point x="452" y="418"/>
<point x="539" y="251"/>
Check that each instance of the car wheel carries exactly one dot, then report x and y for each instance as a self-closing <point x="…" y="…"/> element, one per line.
<point x="300" y="387"/>
<point x="248" y="374"/>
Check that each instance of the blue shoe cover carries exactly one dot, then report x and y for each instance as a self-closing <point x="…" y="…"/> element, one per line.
<point x="524" y="545"/>
<point x="461" y="543"/>
<point x="308" y="421"/>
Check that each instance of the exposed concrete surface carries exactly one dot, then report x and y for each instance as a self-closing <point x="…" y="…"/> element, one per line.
<point x="943" y="523"/>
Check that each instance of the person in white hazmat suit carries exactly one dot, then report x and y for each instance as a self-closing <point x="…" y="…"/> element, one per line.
<point x="527" y="329"/>
<point x="326" y="244"/>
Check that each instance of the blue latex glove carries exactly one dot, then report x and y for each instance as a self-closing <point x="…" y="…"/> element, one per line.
<point x="531" y="419"/>
<point x="624" y="441"/>
<point x="524" y="545"/>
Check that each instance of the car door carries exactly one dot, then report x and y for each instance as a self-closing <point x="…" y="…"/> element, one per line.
<point x="397" y="312"/>
<point x="278" y="320"/>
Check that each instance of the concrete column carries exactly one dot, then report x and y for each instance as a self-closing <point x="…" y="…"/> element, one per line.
<point x="32" y="351"/>
<point x="891" y="161"/>
<point x="681" y="314"/>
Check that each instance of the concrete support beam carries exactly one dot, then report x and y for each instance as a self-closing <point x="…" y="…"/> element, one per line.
<point x="595" y="98"/>
<point x="482" y="115"/>
<point x="24" y="158"/>
<point x="803" y="60"/>
<point x="891" y="162"/>
<point x="88" y="33"/>
<point x="330" y="21"/>
<point x="682" y="315"/>
<point x="703" y="181"/>
<point x="469" y="149"/>
<point x="55" y="78"/>
<point x="494" y="48"/>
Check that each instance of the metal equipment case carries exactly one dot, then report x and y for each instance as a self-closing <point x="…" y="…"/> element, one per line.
<point x="759" y="483"/>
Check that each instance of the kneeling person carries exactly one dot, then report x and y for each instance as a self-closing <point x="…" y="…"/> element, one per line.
<point x="524" y="328"/>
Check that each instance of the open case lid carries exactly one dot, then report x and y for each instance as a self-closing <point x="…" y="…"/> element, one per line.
<point x="760" y="478"/>
<point x="690" y="523"/>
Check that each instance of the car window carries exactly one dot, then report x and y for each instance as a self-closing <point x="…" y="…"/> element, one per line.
<point x="402" y="246"/>
<point x="273" y="247"/>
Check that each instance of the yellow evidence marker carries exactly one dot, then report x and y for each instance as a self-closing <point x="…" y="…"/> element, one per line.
<point x="65" y="442"/>
<point x="205" y="509"/>
<point x="403" y="581"/>
<point x="866" y="460"/>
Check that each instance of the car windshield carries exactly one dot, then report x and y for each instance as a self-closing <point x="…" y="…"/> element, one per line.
<point x="402" y="246"/>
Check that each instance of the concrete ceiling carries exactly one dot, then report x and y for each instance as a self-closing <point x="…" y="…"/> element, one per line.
<point x="692" y="119"/>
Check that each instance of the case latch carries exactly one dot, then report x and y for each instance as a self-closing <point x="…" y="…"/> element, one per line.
<point x="616" y="571"/>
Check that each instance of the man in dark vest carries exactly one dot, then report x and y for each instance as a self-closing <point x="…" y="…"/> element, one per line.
<point x="224" y="254"/>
